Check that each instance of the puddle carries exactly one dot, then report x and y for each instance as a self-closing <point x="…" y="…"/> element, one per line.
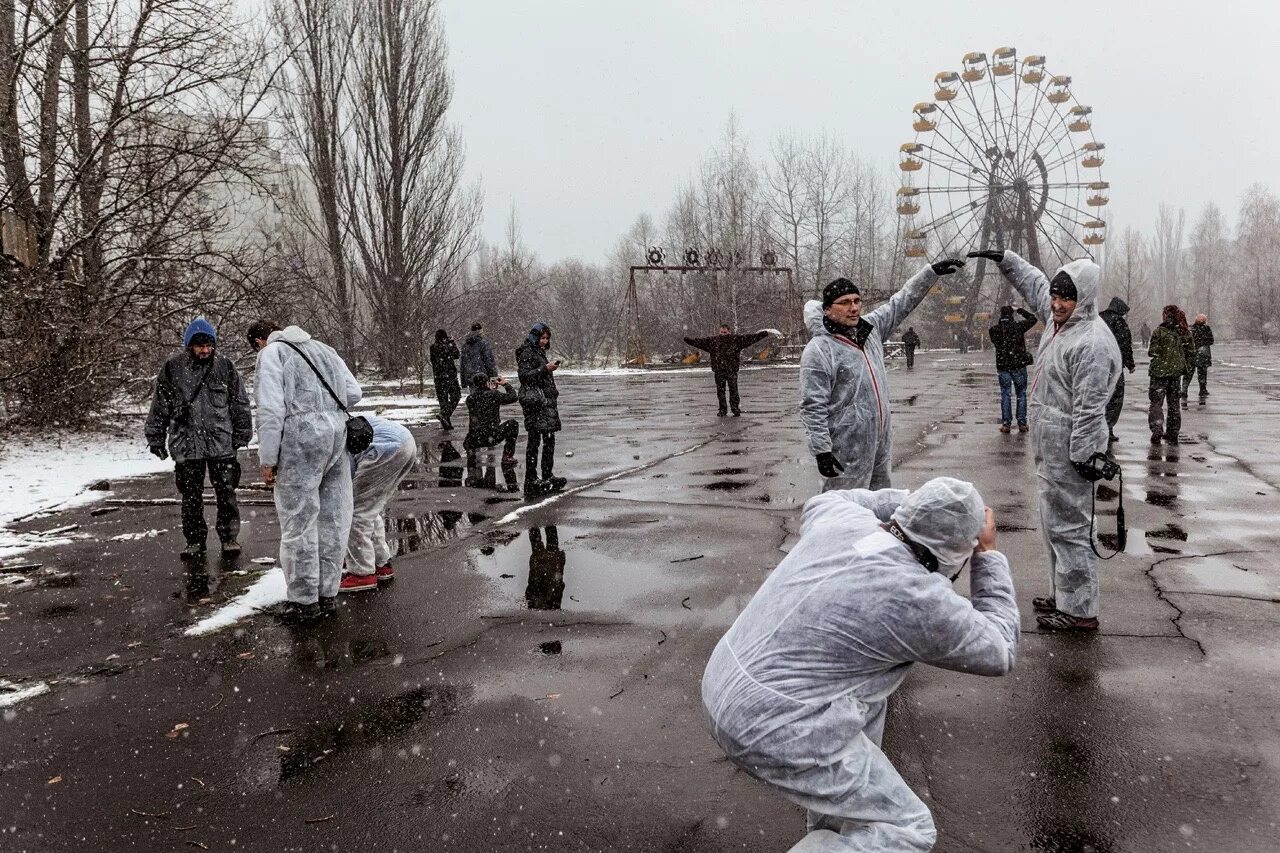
<point x="550" y="568"/>
<point x="1106" y="493"/>
<point x="728" y="485"/>
<point x="551" y="647"/>
<point x="1229" y="575"/>
<point x="721" y="472"/>
<point x="370" y="722"/>
<point x="411" y="532"/>
<point x="1160" y="499"/>
<point x="1169" y="531"/>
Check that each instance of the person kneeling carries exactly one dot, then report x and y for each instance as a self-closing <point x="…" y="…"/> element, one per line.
<point x="795" y="692"/>
<point x="485" y="427"/>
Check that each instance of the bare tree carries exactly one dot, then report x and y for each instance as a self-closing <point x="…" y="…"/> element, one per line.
<point x="1128" y="274"/>
<point x="1209" y="259"/>
<point x="1167" y="251"/>
<point x="1258" y="261"/>
<point x="413" y="221"/>
<point x="126" y="142"/>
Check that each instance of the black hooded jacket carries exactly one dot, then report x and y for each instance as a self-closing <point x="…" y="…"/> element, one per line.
<point x="1114" y="318"/>
<point x="1009" y="338"/>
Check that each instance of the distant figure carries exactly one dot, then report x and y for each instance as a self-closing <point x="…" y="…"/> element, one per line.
<point x="1202" y="339"/>
<point x="444" y="368"/>
<point x="374" y="482"/>
<point x="1114" y="318"/>
<point x="725" y="349"/>
<point x="201" y="407"/>
<point x="910" y="340"/>
<point x="1008" y="336"/>
<point x="477" y="356"/>
<point x="1146" y="334"/>
<point x="844" y="394"/>
<point x="1169" y="355"/>
<point x="545" y="589"/>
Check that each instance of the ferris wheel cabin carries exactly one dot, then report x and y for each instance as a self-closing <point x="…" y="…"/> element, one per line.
<point x="1059" y="89"/>
<point x="925" y="121"/>
<point x="975" y="67"/>
<point x="1097" y="232"/>
<point x="910" y="163"/>
<point x="1080" y="121"/>
<point x="915" y="244"/>
<point x="1004" y="58"/>
<point x="1098" y="199"/>
<point x="1033" y="70"/>
<point x="945" y="83"/>
<point x="1093" y="156"/>
<point x="908" y="205"/>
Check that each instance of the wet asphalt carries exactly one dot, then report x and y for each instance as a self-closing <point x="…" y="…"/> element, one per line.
<point x="531" y="682"/>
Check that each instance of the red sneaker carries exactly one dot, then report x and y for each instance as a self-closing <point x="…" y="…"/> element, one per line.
<point x="384" y="573"/>
<point x="357" y="583"/>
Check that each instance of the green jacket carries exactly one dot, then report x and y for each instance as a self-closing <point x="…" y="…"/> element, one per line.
<point x="1172" y="353"/>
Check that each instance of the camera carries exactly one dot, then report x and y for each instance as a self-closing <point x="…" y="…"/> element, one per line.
<point x="1107" y="468"/>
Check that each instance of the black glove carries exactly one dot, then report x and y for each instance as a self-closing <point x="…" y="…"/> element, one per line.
<point x="946" y="266"/>
<point x="159" y="451"/>
<point x="828" y="466"/>
<point x="1087" y="471"/>
<point x="996" y="255"/>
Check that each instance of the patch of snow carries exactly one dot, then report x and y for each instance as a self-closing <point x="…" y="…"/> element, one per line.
<point x="141" y="534"/>
<point x="267" y="590"/>
<point x="11" y="694"/>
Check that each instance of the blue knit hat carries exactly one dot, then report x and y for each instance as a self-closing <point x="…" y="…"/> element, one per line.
<point x="199" y="326"/>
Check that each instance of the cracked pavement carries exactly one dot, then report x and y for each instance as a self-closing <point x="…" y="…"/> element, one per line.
<point x="530" y="681"/>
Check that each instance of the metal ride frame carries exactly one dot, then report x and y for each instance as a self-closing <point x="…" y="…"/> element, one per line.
<point x="635" y="354"/>
<point x="999" y="155"/>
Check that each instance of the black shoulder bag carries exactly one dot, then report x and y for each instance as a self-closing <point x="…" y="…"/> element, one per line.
<point x="359" y="430"/>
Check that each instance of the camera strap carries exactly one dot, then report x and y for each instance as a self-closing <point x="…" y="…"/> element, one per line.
<point x="1122" y="532"/>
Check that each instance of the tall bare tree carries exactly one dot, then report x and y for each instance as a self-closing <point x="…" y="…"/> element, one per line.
<point x="413" y="220"/>
<point x="1209" y="258"/>
<point x="1258" y="261"/>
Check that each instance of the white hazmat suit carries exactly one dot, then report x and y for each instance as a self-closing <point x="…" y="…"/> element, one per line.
<point x="795" y="692"/>
<point x="1075" y="374"/>
<point x="302" y="431"/>
<point x="844" y="392"/>
<point x="378" y="472"/>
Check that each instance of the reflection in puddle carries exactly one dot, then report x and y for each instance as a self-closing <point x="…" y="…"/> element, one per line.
<point x="545" y="589"/>
<point x="1169" y="531"/>
<point x="722" y="472"/>
<point x="551" y="647"/>
<point x="1160" y="499"/>
<point x="370" y="723"/>
<point x="415" y="531"/>
<point x="450" y="475"/>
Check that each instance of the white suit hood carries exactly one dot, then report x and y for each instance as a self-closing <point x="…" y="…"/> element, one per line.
<point x="1087" y="276"/>
<point x="291" y="334"/>
<point x="813" y="318"/>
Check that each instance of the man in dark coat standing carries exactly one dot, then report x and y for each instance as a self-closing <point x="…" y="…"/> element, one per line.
<point x="444" y="368"/>
<point x="910" y="340"/>
<point x="540" y="400"/>
<point x="725" y="349"/>
<point x="477" y="357"/>
<point x="1114" y="318"/>
<point x="1009" y="338"/>
<point x="1202" y="338"/>
<point x="200" y="405"/>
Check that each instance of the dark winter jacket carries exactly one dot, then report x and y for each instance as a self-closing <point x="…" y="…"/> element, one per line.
<point x="1114" y="318"/>
<point x="910" y="340"/>
<point x="725" y="349"/>
<point x="484" y="414"/>
<point x="477" y="358"/>
<point x="444" y="363"/>
<point x="538" y="393"/>
<point x="1170" y="352"/>
<point x="214" y="424"/>
<point x="1009" y="338"/>
<point x="1202" y="339"/>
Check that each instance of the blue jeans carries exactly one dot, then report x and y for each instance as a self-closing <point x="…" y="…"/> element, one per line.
<point x="1010" y="381"/>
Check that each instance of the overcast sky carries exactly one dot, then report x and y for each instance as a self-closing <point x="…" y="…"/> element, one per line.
<point x="585" y="114"/>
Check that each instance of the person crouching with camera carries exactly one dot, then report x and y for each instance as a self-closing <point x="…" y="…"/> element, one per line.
<point x="201" y="407"/>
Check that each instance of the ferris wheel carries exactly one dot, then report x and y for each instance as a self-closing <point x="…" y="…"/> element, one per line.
<point x="1004" y="156"/>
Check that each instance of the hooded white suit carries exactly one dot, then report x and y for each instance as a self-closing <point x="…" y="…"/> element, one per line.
<point x="302" y="431"/>
<point x="795" y="692"/>
<point x="1074" y="376"/>
<point x="844" y="392"/>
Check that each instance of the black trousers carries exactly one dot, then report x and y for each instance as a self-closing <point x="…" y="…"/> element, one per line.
<point x="449" y="395"/>
<point x="224" y="476"/>
<point x="507" y="431"/>
<point x="911" y="356"/>
<point x="728" y="380"/>
<point x="546" y="443"/>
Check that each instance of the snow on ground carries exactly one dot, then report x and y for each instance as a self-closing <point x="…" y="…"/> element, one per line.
<point x="39" y="475"/>
<point x="11" y="694"/>
<point x="267" y="590"/>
